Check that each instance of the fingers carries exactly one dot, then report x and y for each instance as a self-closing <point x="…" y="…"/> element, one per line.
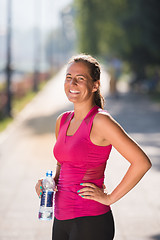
<point x="88" y="191"/>
<point x="88" y="197"/>
<point x="92" y="192"/>
<point x="88" y="185"/>
<point x="39" y="188"/>
<point x="87" y="194"/>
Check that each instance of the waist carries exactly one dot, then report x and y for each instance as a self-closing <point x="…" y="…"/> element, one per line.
<point x="71" y="176"/>
<point x="70" y="205"/>
<point x="74" y="185"/>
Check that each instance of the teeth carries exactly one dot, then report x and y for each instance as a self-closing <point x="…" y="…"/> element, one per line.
<point x="74" y="91"/>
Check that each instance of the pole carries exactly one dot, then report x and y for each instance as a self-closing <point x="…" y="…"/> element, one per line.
<point x="8" y="65"/>
<point x="37" y="44"/>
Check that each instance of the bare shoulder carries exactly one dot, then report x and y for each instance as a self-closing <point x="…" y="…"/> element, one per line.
<point x="113" y="133"/>
<point x="104" y="119"/>
<point x="59" y="119"/>
<point x="61" y="115"/>
<point x="107" y="126"/>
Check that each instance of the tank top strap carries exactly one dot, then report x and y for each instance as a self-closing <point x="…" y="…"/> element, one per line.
<point x="90" y="117"/>
<point x="65" y="117"/>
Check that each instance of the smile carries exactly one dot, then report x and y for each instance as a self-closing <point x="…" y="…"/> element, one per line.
<point x="74" y="92"/>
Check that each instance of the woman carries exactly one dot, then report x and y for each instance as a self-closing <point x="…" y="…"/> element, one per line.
<point x="84" y="141"/>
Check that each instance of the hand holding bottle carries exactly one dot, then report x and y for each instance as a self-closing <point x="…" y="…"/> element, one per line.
<point x="39" y="188"/>
<point x="45" y="189"/>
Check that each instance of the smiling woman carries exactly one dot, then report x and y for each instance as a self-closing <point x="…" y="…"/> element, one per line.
<point x="85" y="138"/>
<point x="83" y="78"/>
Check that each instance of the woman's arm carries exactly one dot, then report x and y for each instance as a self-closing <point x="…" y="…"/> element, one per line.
<point x="39" y="187"/>
<point x="132" y="152"/>
<point x="58" y="167"/>
<point x="112" y="133"/>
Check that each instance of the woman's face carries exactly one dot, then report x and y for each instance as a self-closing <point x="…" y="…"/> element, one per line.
<point x="79" y="86"/>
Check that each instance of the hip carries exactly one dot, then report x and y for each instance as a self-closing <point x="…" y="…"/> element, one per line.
<point x="70" y="205"/>
<point x="86" y="228"/>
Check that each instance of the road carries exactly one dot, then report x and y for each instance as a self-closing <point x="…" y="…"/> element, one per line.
<point x="26" y="153"/>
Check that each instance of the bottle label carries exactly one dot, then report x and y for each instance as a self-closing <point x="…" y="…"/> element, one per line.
<point x="47" y="199"/>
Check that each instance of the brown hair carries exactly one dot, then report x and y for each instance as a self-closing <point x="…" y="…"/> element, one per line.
<point x="95" y="72"/>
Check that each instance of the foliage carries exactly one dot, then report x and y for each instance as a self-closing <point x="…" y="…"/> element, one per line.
<point x="123" y="28"/>
<point x="17" y="105"/>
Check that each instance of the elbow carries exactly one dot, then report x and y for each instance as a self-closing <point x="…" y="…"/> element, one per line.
<point x="148" y="165"/>
<point x="145" y="166"/>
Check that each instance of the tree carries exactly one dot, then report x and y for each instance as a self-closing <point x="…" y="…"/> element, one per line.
<point x="87" y="26"/>
<point x="125" y="28"/>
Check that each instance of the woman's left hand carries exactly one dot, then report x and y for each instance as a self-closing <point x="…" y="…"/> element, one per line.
<point x="92" y="192"/>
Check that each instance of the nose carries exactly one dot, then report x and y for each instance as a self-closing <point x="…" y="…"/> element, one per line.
<point x="73" y="81"/>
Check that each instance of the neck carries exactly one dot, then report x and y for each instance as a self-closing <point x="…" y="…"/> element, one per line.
<point x="81" y="110"/>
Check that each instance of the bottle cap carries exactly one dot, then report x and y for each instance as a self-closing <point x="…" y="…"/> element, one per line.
<point x="49" y="173"/>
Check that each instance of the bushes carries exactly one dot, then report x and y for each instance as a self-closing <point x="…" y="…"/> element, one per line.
<point x="19" y="88"/>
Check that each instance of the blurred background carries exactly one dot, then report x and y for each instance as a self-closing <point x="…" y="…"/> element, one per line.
<point x="37" y="38"/>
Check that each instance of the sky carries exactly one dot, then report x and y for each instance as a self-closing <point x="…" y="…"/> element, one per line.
<point x="26" y="12"/>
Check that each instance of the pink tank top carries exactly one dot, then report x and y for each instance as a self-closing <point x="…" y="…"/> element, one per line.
<point x="81" y="161"/>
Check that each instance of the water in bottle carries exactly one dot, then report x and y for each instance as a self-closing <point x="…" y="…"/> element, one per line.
<point x="46" y="204"/>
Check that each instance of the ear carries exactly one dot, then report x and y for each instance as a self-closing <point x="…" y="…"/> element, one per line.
<point x="96" y="86"/>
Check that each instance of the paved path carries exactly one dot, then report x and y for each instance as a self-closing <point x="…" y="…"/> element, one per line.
<point x="26" y="154"/>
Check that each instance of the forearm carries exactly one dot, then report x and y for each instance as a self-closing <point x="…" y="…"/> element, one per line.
<point x="131" y="178"/>
<point x="58" y="168"/>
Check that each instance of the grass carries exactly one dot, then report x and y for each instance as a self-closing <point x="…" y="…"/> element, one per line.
<point x="18" y="105"/>
<point x="5" y="122"/>
<point x="2" y="86"/>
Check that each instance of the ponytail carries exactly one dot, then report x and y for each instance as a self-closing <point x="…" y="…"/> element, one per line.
<point x="99" y="99"/>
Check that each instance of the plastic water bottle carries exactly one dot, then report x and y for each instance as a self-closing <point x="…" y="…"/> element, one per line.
<point x="46" y="203"/>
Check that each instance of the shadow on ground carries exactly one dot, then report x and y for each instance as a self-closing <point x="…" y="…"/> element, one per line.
<point x="135" y="113"/>
<point x="45" y="124"/>
<point x="140" y="118"/>
<point x="156" y="237"/>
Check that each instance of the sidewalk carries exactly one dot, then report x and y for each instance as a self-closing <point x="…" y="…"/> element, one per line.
<point x="26" y="154"/>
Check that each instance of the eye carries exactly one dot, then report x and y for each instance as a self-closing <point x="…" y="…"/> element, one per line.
<point x="68" y="78"/>
<point x="80" y="79"/>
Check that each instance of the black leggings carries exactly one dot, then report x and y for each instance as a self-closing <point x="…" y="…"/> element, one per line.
<point x="99" y="227"/>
